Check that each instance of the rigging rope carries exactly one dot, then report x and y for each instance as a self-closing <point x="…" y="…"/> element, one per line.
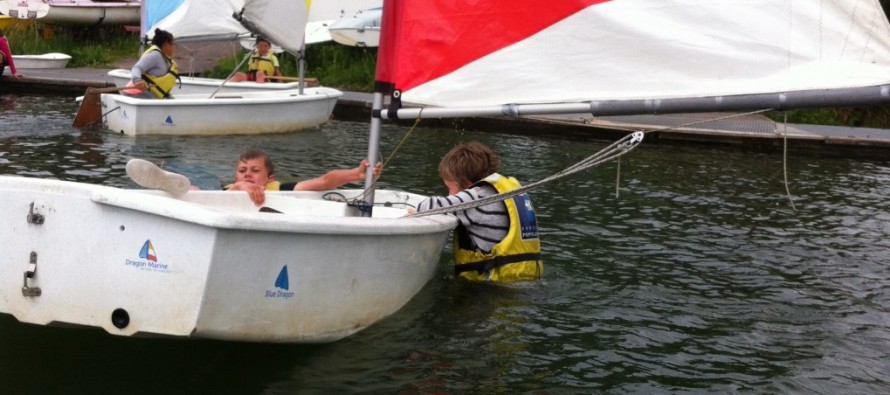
<point x="785" y="160"/>
<point x="613" y="151"/>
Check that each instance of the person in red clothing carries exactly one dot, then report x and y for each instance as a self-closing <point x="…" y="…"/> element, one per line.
<point x="6" y="57"/>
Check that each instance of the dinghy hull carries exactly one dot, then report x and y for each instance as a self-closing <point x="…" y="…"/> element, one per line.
<point x="224" y="114"/>
<point x="54" y="60"/>
<point x="208" y="265"/>
<point x="74" y="12"/>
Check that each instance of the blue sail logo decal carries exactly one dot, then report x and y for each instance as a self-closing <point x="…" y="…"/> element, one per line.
<point x="148" y="259"/>
<point x="169" y="121"/>
<point x="281" y="281"/>
<point x="282" y="285"/>
<point x="148" y="252"/>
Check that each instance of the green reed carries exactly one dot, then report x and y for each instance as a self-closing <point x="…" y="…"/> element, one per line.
<point x="88" y="46"/>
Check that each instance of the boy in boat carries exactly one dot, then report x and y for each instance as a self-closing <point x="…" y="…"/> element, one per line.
<point x="263" y="64"/>
<point x="495" y="242"/>
<point x="254" y="174"/>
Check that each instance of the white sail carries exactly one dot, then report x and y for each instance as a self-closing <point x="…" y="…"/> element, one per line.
<point x="282" y="22"/>
<point x="200" y="20"/>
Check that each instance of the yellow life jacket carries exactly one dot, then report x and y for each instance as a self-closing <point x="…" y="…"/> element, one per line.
<point x="270" y="186"/>
<point x="261" y="63"/>
<point x="161" y="85"/>
<point x="515" y="258"/>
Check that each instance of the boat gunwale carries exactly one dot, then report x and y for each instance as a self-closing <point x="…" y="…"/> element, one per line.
<point x="284" y="96"/>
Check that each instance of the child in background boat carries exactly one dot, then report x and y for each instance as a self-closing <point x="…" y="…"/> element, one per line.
<point x="254" y="174"/>
<point x="6" y="57"/>
<point x="262" y="65"/>
<point x="496" y="242"/>
<point x="156" y="73"/>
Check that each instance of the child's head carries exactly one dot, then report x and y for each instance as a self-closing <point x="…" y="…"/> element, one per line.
<point x="263" y="45"/>
<point x="254" y="166"/>
<point x="468" y="163"/>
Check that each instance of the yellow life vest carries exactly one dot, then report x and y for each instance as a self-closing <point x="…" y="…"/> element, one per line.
<point x="270" y="186"/>
<point x="515" y="258"/>
<point x="161" y="85"/>
<point x="266" y="64"/>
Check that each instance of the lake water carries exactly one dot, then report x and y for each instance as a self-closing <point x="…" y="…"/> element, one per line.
<point x="698" y="278"/>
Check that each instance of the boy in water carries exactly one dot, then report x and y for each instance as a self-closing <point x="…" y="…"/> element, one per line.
<point x="496" y="242"/>
<point x="254" y="174"/>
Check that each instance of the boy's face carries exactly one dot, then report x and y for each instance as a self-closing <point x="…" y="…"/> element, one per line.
<point x="253" y="171"/>
<point x="263" y="47"/>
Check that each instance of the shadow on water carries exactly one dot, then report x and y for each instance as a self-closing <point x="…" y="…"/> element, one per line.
<point x="38" y="359"/>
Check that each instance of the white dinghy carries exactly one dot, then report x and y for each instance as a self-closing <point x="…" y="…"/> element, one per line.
<point x="249" y="108"/>
<point x="208" y="264"/>
<point x="258" y="112"/>
<point x="74" y="12"/>
<point x="360" y="30"/>
<point x="53" y="60"/>
<point x="324" y="13"/>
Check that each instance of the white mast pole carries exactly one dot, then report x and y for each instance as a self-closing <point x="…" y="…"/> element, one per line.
<point x="373" y="150"/>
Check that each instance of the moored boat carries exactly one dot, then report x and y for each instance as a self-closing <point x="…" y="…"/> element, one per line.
<point x="74" y="12"/>
<point x="54" y="60"/>
<point x="360" y="30"/>
<point x="324" y="13"/>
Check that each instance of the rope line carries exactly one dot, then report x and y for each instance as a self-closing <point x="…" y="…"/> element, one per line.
<point x="615" y="150"/>
<point x="785" y="160"/>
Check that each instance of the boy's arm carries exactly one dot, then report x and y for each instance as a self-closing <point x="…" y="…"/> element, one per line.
<point x="336" y="178"/>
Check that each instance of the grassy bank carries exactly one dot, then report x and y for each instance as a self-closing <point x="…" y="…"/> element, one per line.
<point x="88" y="46"/>
<point x="334" y="65"/>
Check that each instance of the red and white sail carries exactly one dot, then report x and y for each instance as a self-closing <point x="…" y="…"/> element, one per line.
<point x="483" y="53"/>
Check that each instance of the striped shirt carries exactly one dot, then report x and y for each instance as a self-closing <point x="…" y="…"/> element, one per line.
<point x="486" y="225"/>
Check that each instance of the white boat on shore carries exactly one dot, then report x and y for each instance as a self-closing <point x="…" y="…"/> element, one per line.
<point x="323" y="13"/>
<point x="53" y="60"/>
<point x="205" y="86"/>
<point x="208" y="264"/>
<point x="257" y="112"/>
<point x="359" y="30"/>
<point x="74" y="12"/>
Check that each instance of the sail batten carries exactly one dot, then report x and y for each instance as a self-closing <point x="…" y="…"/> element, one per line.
<point x="639" y="50"/>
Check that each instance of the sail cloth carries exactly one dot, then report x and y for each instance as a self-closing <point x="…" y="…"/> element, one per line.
<point x="283" y="22"/>
<point x="474" y="53"/>
<point x="196" y="20"/>
<point x="153" y="11"/>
